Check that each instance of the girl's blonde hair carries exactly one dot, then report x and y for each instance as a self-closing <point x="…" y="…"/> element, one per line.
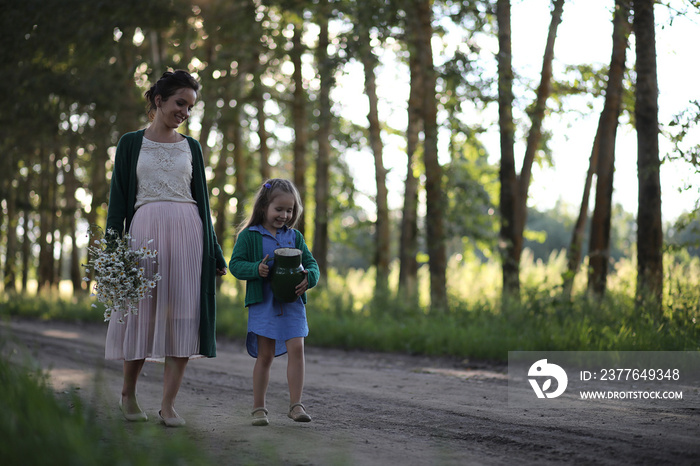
<point x="264" y="197"/>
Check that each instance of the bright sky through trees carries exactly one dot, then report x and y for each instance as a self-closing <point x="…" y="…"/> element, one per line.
<point x="583" y="37"/>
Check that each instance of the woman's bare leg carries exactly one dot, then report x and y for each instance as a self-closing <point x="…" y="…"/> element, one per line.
<point x="172" y="379"/>
<point x="132" y="370"/>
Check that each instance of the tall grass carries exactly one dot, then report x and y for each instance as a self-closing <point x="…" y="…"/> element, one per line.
<point x="477" y="325"/>
<point x="345" y="313"/>
<point x="39" y="427"/>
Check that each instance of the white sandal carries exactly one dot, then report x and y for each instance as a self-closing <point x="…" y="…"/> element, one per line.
<point x="299" y="416"/>
<point x="260" y="420"/>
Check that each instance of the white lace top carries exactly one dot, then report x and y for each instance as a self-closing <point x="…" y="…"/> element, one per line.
<point x="164" y="172"/>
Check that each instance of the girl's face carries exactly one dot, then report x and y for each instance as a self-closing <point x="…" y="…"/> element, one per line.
<point x="279" y="212"/>
<point x="174" y="111"/>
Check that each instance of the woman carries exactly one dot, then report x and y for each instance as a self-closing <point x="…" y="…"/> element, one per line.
<point x="158" y="192"/>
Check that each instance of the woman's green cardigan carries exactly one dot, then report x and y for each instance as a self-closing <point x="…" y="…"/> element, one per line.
<point x="122" y="199"/>
<point x="247" y="256"/>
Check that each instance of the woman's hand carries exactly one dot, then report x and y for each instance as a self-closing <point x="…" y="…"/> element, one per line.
<point x="263" y="268"/>
<point x="221" y="271"/>
<point x="304" y="285"/>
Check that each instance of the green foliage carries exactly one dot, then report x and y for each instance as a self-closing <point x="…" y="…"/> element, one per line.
<point x="555" y="226"/>
<point x="476" y="327"/>
<point x="684" y="235"/>
<point x="344" y="313"/>
<point x="471" y="192"/>
<point x="231" y="315"/>
<point x="680" y="131"/>
<point x="50" y="306"/>
<point x="40" y="427"/>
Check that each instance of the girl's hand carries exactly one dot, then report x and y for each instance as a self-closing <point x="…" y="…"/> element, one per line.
<point x="263" y="268"/>
<point x="221" y="272"/>
<point x="304" y="285"/>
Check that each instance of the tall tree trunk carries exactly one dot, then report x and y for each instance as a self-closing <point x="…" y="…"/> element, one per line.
<point x="408" y="249"/>
<point x="55" y="222"/>
<point x="382" y="252"/>
<point x="27" y="225"/>
<point x="45" y="270"/>
<point x="98" y="184"/>
<point x="70" y="214"/>
<point x="599" y="248"/>
<point x="435" y="228"/>
<point x="534" y="137"/>
<point x="220" y="180"/>
<point x="299" y="116"/>
<point x="240" y="162"/>
<point x="259" y="96"/>
<point x="26" y="251"/>
<point x="575" y="251"/>
<point x="156" y="53"/>
<point x="514" y="188"/>
<point x="607" y="123"/>
<point x="10" y="269"/>
<point x="209" y="95"/>
<point x="649" y="228"/>
<point x="325" y="69"/>
<point x="509" y="252"/>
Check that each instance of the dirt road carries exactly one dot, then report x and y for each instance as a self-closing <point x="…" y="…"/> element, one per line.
<point x="367" y="409"/>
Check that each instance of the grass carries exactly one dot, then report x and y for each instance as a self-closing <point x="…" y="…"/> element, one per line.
<point x="40" y="427"/>
<point x="344" y="313"/>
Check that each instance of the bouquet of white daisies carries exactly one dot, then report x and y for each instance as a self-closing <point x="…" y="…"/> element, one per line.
<point x="118" y="271"/>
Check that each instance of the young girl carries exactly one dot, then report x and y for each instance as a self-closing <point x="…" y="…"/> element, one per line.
<point x="274" y="328"/>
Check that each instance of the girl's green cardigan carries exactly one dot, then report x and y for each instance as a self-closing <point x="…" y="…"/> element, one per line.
<point x="247" y="256"/>
<point x="122" y="198"/>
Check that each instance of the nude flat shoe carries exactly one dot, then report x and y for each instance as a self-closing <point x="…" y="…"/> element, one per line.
<point x="176" y="421"/>
<point x="135" y="417"/>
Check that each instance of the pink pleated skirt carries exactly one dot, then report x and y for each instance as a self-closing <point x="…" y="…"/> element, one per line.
<point x="167" y="323"/>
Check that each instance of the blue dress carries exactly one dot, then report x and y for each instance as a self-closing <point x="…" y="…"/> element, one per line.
<point x="271" y="318"/>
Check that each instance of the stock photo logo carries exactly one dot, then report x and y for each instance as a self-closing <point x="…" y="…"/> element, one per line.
<point x="545" y="372"/>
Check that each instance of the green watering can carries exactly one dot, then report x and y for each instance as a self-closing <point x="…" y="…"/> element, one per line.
<point x="287" y="272"/>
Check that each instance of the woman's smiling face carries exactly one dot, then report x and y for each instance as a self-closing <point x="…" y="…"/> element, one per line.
<point x="174" y="111"/>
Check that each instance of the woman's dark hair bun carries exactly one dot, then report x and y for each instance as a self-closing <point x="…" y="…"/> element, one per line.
<point x="167" y="85"/>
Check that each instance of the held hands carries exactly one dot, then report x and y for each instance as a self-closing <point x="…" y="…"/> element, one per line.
<point x="264" y="272"/>
<point x="304" y="285"/>
<point x="263" y="268"/>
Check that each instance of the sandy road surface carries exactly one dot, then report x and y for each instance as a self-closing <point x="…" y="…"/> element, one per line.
<point x="368" y="408"/>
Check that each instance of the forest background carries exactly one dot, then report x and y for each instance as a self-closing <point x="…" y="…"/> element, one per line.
<point x="465" y="264"/>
